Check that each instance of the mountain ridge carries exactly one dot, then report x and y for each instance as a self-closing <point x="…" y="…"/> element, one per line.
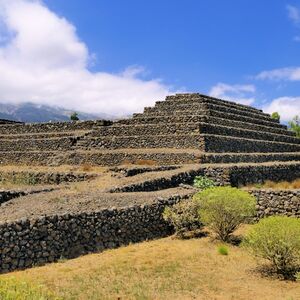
<point x="31" y="113"/>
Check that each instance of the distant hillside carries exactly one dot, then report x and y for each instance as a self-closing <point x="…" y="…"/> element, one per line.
<point x="29" y="112"/>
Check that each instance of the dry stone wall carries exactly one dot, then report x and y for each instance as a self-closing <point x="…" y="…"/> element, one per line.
<point x="277" y="202"/>
<point x="95" y="158"/>
<point x="8" y="195"/>
<point x="52" y="127"/>
<point x="26" y="243"/>
<point x="33" y="178"/>
<point x="236" y="176"/>
<point x="58" y="144"/>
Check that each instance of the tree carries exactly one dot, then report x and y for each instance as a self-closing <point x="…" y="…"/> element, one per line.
<point x="275" y="116"/>
<point x="295" y="125"/>
<point x="74" y="116"/>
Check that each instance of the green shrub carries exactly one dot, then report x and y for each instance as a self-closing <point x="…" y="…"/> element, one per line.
<point x="223" y="250"/>
<point x="74" y="116"/>
<point x="183" y="216"/>
<point x="275" y="116"/>
<point x="15" y="289"/>
<point x="203" y="182"/>
<point x="294" y="125"/>
<point x="224" y="209"/>
<point x="276" y="239"/>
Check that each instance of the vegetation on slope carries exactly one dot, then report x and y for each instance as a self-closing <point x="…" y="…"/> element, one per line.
<point x="282" y="185"/>
<point x="162" y="269"/>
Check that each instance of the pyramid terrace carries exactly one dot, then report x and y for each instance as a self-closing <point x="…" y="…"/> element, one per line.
<point x="242" y="143"/>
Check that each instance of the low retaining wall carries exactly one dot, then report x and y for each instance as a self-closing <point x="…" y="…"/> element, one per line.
<point x="222" y="176"/>
<point x="32" y="178"/>
<point x="8" y="195"/>
<point x="132" y="171"/>
<point x="94" y="158"/>
<point x="26" y="243"/>
<point x="184" y="141"/>
<point x="238" y="176"/>
<point x="53" y="144"/>
<point x="277" y="202"/>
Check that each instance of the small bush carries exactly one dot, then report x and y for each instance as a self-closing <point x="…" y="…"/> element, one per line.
<point x="275" y="116"/>
<point x="203" y="182"/>
<point x="294" y="125"/>
<point x="276" y="239"/>
<point x="224" y="209"/>
<point x="223" y="250"/>
<point x="183" y="216"/>
<point x="74" y="116"/>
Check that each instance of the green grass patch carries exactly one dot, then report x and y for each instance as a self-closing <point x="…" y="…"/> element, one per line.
<point x="16" y="289"/>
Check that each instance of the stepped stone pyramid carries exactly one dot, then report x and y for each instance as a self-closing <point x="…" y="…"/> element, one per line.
<point x="183" y="129"/>
<point x="198" y="128"/>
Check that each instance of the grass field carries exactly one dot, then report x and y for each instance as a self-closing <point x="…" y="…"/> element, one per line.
<point x="162" y="269"/>
<point x="282" y="185"/>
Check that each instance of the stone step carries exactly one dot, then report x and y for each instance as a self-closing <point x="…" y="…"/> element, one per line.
<point x="38" y="136"/>
<point x="207" y="110"/>
<point x="196" y="97"/>
<point x="167" y="118"/>
<point x="204" y="142"/>
<point x="61" y="144"/>
<point x="192" y="128"/>
<point x="225" y="158"/>
<point x="177" y="141"/>
<point x="127" y="124"/>
<point x="251" y="121"/>
<point x="208" y="128"/>
<point x="146" y="129"/>
<point x="52" y="127"/>
<point x="221" y="144"/>
<point x="145" y="157"/>
<point x="203" y="107"/>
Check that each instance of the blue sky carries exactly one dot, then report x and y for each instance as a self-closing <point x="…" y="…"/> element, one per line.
<point x="131" y="53"/>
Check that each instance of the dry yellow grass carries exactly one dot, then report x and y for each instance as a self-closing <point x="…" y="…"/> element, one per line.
<point x="161" y="269"/>
<point x="282" y="185"/>
<point x="103" y="180"/>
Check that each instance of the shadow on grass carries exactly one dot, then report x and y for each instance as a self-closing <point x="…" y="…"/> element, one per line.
<point x="191" y="234"/>
<point x="269" y="271"/>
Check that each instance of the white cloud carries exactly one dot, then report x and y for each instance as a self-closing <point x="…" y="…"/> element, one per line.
<point x="290" y="74"/>
<point x="237" y="93"/>
<point x="42" y="60"/>
<point x="294" y="14"/>
<point x="287" y="107"/>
